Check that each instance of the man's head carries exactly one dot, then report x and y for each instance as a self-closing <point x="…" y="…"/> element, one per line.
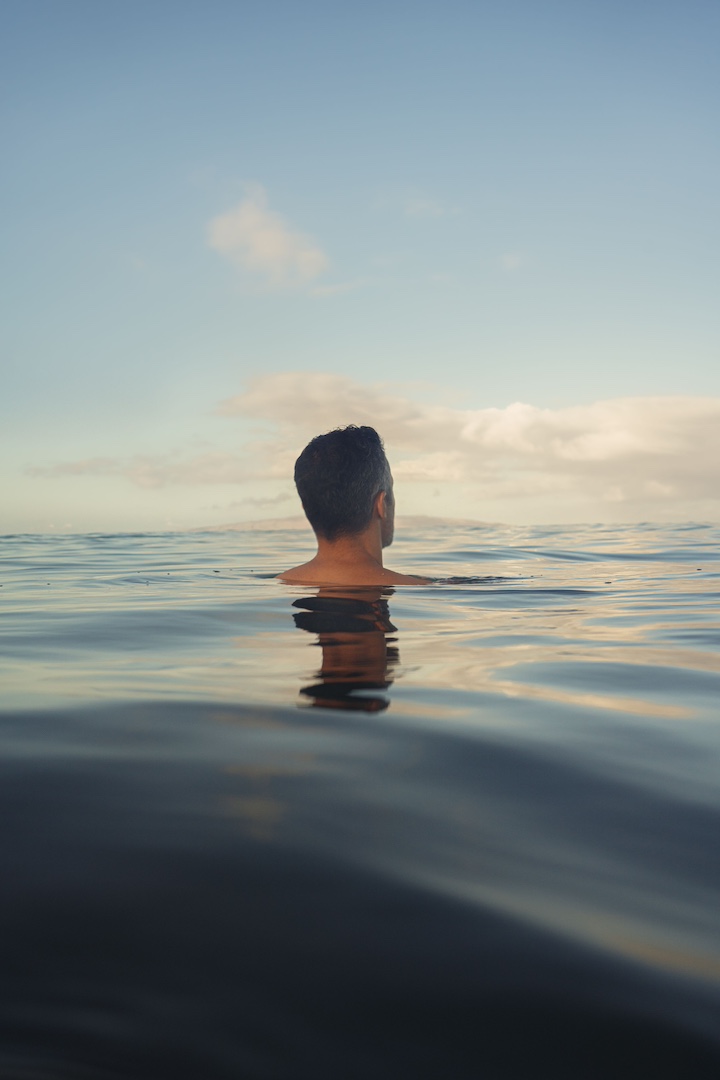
<point x="343" y="478"/>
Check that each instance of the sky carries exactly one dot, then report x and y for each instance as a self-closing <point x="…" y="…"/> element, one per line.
<point x="489" y="229"/>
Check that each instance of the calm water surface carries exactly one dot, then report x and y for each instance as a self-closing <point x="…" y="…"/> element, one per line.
<point x="470" y="829"/>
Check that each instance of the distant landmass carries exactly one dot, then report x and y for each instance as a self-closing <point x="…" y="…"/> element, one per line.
<point x="300" y="524"/>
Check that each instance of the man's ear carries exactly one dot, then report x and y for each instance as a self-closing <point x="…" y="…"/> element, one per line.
<point x="380" y="504"/>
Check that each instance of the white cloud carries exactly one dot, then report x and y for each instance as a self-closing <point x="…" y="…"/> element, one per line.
<point x="633" y="456"/>
<point x="257" y="239"/>
<point x="650" y="449"/>
<point x="302" y="399"/>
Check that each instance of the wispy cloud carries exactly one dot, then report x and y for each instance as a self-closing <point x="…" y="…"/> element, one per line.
<point x="412" y="203"/>
<point x="419" y="206"/>
<point x="340" y="288"/>
<point x="254" y="501"/>
<point x="259" y="241"/>
<point x="162" y="470"/>
<point x="512" y="261"/>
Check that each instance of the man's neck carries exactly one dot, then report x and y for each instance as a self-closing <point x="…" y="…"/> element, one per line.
<point x="361" y="548"/>
<point x="349" y="560"/>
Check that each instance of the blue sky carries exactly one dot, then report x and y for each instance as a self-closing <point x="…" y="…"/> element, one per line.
<point x="496" y="222"/>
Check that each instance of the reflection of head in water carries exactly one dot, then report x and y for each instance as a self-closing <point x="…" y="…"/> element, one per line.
<point x="357" y="656"/>
<point x="339" y="477"/>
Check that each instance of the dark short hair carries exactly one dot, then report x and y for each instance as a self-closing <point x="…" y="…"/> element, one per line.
<point x="338" y="476"/>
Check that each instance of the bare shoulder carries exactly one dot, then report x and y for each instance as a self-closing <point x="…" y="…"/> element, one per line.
<point x="309" y="574"/>
<point x="300" y="575"/>
<point x="393" y="578"/>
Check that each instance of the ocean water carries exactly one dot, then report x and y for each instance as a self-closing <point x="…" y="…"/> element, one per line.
<point x="464" y="830"/>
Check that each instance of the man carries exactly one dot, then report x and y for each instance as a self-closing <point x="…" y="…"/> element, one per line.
<point x="346" y="488"/>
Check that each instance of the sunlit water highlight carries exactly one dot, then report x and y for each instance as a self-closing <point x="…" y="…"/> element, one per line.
<point x="466" y="829"/>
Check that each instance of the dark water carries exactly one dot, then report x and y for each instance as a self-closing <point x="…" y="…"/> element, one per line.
<point x="465" y="830"/>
